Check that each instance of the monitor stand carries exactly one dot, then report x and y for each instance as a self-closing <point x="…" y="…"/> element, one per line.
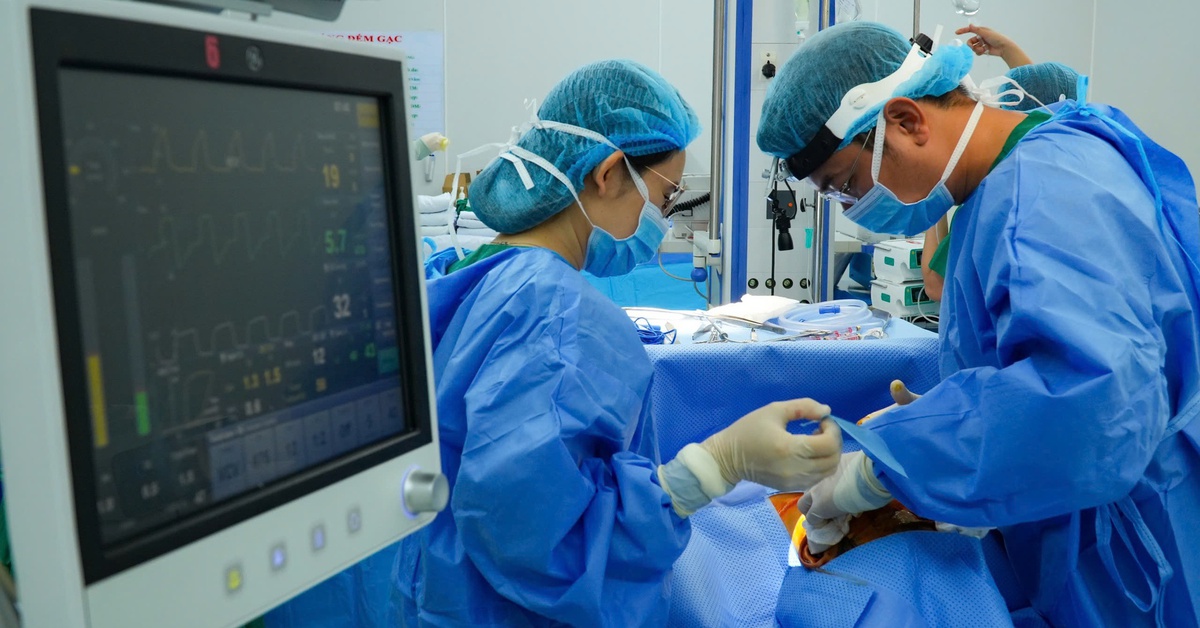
<point x="325" y="10"/>
<point x="252" y="7"/>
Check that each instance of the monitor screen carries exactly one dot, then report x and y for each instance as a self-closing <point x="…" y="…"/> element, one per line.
<point x="236" y="297"/>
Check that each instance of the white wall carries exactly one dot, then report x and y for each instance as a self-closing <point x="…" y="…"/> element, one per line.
<point x="1145" y="64"/>
<point x="500" y="53"/>
<point x="1049" y="31"/>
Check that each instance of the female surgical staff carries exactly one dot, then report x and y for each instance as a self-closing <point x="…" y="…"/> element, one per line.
<point x="559" y="514"/>
<point x="1070" y="340"/>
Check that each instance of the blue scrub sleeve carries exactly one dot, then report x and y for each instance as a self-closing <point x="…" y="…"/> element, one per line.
<point x="551" y="508"/>
<point x="1071" y="417"/>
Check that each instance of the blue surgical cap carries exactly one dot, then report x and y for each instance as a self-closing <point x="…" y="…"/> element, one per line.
<point x="1045" y="82"/>
<point x="810" y="86"/>
<point x="626" y="102"/>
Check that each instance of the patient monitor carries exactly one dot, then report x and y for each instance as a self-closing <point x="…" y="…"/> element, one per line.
<point x="216" y="386"/>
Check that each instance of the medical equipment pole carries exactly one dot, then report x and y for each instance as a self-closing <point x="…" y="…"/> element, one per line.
<point x="916" y="18"/>
<point x="717" y="168"/>
<point x="823" y="219"/>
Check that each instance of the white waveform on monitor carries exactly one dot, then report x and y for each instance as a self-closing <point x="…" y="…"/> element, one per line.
<point x="225" y="336"/>
<point x="199" y="156"/>
<point x="173" y="238"/>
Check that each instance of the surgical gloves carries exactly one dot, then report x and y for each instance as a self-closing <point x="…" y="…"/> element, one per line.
<point x="828" y="506"/>
<point x="757" y="448"/>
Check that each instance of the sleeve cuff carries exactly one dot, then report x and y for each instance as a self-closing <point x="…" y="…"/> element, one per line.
<point x="872" y="483"/>
<point x="692" y="480"/>
<point x="858" y="491"/>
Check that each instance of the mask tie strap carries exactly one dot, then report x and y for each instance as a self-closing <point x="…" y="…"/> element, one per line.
<point x="877" y="151"/>
<point x="518" y="153"/>
<point x="963" y="140"/>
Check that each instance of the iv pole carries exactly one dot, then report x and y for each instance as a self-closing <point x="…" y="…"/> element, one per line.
<point x="717" y="161"/>
<point x="823" y="219"/>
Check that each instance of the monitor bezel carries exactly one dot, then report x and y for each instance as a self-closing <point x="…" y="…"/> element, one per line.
<point x="98" y="43"/>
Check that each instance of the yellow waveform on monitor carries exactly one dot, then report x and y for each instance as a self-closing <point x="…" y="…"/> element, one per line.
<point x="199" y="157"/>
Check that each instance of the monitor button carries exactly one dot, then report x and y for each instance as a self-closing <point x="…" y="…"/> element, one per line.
<point x="233" y="578"/>
<point x="318" y="537"/>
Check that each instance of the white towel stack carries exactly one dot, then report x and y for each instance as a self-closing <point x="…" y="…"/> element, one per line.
<point x="469" y="220"/>
<point x="469" y="224"/>
<point x="436" y="215"/>
<point x="433" y="204"/>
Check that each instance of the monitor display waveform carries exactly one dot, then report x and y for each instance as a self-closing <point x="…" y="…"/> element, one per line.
<point x="225" y="335"/>
<point x="199" y="156"/>
<point x="181" y="238"/>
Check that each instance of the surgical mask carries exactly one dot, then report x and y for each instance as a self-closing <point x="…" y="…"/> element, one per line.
<point x="608" y="256"/>
<point x="879" y="210"/>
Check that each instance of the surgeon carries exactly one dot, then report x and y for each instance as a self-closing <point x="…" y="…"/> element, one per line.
<point x="1044" y="83"/>
<point x="1070" y="339"/>
<point x="1041" y="84"/>
<point x="559" y="513"/>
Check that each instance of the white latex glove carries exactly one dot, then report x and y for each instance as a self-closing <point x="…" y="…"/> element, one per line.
<point x="975" y="533"/>
<point x="758" y="447"/>
<point x="851" y="490"/>
<point x="901" y="396"/>
<point x="823" y="534"/>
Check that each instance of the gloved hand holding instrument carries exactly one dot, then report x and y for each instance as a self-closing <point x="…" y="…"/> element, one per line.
<point x="852" y="489"/>
<point x="757" y="448"/>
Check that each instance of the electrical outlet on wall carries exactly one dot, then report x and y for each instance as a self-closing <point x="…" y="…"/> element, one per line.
<point x="770" y="65"/>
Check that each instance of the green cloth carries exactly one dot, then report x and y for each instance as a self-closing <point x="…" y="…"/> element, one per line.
<point x="483" y="252"/>
<point x="937" y="263"/>
<point x="5" y="549"/>
<point x="5" y="545"/>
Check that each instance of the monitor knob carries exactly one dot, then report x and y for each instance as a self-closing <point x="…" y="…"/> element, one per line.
<point x="426" y="492"/>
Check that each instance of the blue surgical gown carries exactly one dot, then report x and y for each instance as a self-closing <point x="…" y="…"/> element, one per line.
<point x="1069" y="355"/>
<point x="556" y="516"/>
